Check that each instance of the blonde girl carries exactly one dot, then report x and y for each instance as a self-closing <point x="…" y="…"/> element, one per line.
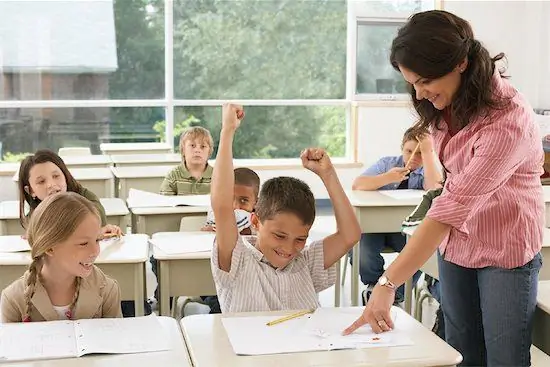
<point x="62" y="281"/>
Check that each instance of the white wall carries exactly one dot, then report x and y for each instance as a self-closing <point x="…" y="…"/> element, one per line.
<point x="520" y="29"/>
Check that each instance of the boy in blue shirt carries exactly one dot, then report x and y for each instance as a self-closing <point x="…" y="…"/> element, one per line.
<point x="393" y="173"/>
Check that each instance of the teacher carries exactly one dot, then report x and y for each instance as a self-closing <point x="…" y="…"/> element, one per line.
<point x="488" y="221"/>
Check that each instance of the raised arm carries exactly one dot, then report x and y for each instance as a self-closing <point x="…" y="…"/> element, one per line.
<point x="348" y="231"/>
<point x="223" y="182"/>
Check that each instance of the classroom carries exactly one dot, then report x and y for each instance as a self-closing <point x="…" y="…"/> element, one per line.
<point x="274" y="183"/>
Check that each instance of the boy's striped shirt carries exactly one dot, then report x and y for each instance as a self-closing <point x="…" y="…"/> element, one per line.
<point x="179" y="181"/>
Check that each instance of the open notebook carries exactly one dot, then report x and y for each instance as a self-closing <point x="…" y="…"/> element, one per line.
<point x="70" y="339"/>
<point x="145" y="199"/>
<point x="320" y="331"/>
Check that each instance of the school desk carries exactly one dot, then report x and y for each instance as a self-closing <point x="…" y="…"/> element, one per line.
<point x="140" y="160"/>
<point x="376" y="213"/>
<point x="122" y="260"/>
<point x="176" y="356"/>
<point x="541" y="330"/>
<point x="146" y="178"/>
<point x="88" y="161"/>
<point x="135" y="148"/>
<point x="209" y="345"/>
<point x="187" y="274"/>
<point x="163" y="219"/>
<point x="431" y="266"/>
<point x="98" y="180"/>
<point x="115" y="210"/>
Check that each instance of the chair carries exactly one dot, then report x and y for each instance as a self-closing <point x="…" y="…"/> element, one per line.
<point x="192" y="223"/>
<point x="74" y="151"/>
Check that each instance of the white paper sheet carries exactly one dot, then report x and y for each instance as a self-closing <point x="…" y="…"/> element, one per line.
<point x="121" y="336"/>
<point x="145" y="199"/>
<point x="315" y="332"/>
<point x="13" y="244"/>
<point x="38" y="340"/>
<point x="185" y="244"/>
<point x="403" y="194"/>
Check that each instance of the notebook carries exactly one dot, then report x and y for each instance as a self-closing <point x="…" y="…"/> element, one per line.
<point x="71" y="339"/>
<point x="320" y="331"/>
<point x="185" y="242"/>
<point x="13" y="244"/>
<point x="406" y="194"/>
<point x="145" y="199"/>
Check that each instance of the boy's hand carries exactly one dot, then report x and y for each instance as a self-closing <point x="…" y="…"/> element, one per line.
<point x="397" y="174"/>
<point x="317" y="161"/>
<point x="232" y="115"/>
<point x="208" y="229"/>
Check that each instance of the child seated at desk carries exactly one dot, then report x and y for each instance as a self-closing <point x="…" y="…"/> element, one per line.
<point x="245" y="196"/>
<point x="194" y="174"/>
<point x="274" y="270"/>
<point x="62" y="281"/>
<point x="415" y="168"/>
<point x="44" y="173"/>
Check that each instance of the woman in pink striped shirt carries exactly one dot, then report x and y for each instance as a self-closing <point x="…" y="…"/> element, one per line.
<point x="489" y="218"/>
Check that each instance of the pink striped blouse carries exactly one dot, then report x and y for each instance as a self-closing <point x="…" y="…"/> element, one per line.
<point x="493" y="195"/>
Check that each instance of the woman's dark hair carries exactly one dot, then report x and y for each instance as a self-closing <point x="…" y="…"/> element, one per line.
<point x="41" y="156"/>
<point x="434" y="43"/>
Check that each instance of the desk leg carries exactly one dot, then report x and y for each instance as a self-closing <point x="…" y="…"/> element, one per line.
<point x="139" y="289"/>
<point x="164" y="287"/>
<point x="355" y="267"/>
<point x="338" y="286"/>
<point x="408" y="295"/>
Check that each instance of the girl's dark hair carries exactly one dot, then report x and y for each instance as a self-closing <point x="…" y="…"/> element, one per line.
<point x="41" y="156"/>
<point x="434" y="43"/>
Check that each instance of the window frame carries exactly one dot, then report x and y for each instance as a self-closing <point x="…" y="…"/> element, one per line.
<point x="358" y="15"/>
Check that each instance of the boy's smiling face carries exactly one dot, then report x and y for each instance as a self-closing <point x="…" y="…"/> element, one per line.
<point x="281" y="238"/>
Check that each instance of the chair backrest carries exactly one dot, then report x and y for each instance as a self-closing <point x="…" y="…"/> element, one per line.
<point x="74" y="151"/>
<point x="192" y="223"/>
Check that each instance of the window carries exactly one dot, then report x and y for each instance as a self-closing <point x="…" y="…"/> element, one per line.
<point x="25" y="130"/>
<point x="375" y="25"/>
<point x="259" y="49"/>
<point x="81" y="50"/>
<point x="80" y="73"/>
<point x="274" y="131"/>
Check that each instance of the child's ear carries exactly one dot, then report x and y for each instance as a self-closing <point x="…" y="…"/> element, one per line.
<point x="49" y="251"/>
<point x="254" y="220"/>
<point x="28" y="190"/>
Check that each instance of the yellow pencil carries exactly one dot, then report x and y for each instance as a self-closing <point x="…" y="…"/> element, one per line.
<point x="412" y="155"/>
<point x="289" y="317"/>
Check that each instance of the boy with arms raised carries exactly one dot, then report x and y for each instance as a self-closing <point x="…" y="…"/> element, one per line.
<point x="274" y="270"/>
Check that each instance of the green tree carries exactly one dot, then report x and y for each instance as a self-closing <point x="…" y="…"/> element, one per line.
<point x="139" y="26"/>
<point x="263" y="50"/>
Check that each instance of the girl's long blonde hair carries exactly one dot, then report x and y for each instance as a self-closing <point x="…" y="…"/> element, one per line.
<point x="54" y="220"/>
